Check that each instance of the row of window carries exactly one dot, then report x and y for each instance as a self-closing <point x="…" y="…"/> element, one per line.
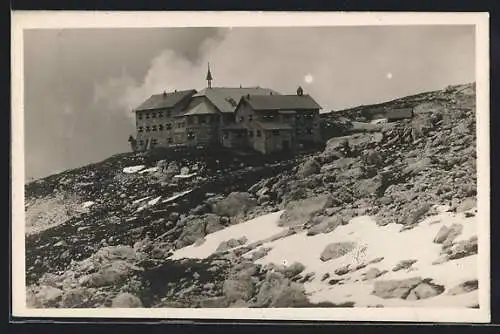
<point x="273" y="116"/>
<point x="154" y="114"/>
<point x="155" y="141"/>
<point x="160" y="127"/>
<point x="258" y="133"/>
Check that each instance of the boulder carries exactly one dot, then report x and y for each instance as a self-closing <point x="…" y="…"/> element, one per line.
<point x="404" y="264"/>
<point x="300" y="211"/>
<point x="389" y="289"/>
<point x="327" y="225"/>
<point x="126" y="300"/>
<point x="293" y="269"/>
<point x="336" y="250"/>
<point x="77" y="297"/>
<point x="48" y="296"/>
<point x="467" y="204"/>
<point x="464" y="287"/>
<point x="290" y="295"/>
<point x="234" y="204"/>
<point x="310" y="167"/>
<point x="236" y="289"/>
<point x="425" y="290"/>
<point x="231" y="243"/>
<point x="446" y="235"/>
<point x="373" y="273"/>
<point x="462" y="249"/>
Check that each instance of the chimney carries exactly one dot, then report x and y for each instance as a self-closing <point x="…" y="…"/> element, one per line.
<point x="270" y="93"/>
<point x="248" y="96"/>
<point x="175" y="91"/>
<point x="300" y="91"/>
<point x="164" y="93"/>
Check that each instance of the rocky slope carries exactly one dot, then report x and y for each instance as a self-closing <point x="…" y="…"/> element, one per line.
<point x="380" y="217"/>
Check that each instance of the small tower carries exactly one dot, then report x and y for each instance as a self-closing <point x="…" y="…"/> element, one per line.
<point x="300" y="91"/>
<point x="209" y="77"/>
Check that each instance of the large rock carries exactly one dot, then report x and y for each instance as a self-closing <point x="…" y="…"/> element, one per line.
<point x="77" y="297"/>
<point x="299" y="212"/>
<point x="446" y="235"/>
<point x="293" y="269"/>
<point x="462" y="249"/>
<point x="126" y="300"/>
<point x="368" y="187"/>
<point x="388" y="289"/>
<point x="231" y="243"/>
<point x="308" y="168"/>
<point x="464" y="287"/>
<point x="238" y="289"/>
<point x="467" y="204"/>
<point x="425" y="290"/>
<point x="234" y="204"/>
<point x="327" y="225"/>
<point x="278" y="291"/>
<point x="336" y="250"/>
<point x="48" y="296"/>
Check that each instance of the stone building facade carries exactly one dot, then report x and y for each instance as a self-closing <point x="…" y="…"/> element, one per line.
<point x="254" y="118"/>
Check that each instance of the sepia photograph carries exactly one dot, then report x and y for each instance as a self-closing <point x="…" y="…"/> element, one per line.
<point x="278" y="166"/>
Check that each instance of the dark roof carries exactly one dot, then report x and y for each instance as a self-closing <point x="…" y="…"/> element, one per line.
<point x="282" y="102"/>
<point x="226" y="99"/>
<point x="400" y="113"/>
<point x="274" y="126"/>
<point x="165" y="100"/>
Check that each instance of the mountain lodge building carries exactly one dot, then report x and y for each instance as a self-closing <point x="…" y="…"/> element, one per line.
<point x="253" y="118"/>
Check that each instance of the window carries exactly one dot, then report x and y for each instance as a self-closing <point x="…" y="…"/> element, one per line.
<point x="276" y="132"/>
<point x="139" y="129"/>
<point x="169" y="113"/>
<point x="147" y="129"/>
<point x="169" y="140"/>
<point x="250" y="118"/>
<point x="190" y="135"/>
<point x="250" y="133"/>
<point x="259" y="133"/>
<point x="147" y="115"/>
<point x="153" y="128"/>
<point x="154" y="141"/>
<point x="168" y="126"/>
<point x="308" y="116"/>
<point x="225" y="134"/>
<point x="141" y="142"/>
<point x="139" y="115"/>
<point x="202" y="119"/>
<point x="309" y="131"/>
<point x="241" y="119"/>
<point x="160" y="127"/>
<point x="153" y="115"/>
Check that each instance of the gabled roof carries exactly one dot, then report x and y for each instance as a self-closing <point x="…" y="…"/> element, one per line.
<point x="202" y="108"/>
<point x="282" y="102"/>
<point x="274" y="126"/>
<point x="165" y="100"/>
<point x="400" y="113"/>
<point x="226" y="99"/>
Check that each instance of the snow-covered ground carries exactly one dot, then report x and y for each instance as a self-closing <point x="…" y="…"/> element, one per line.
<point x="372" y="242"/>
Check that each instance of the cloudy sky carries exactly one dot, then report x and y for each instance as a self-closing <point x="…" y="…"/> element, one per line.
<point x="80" y="85"/>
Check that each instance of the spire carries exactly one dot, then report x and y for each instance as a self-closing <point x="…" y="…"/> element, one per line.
<point x="209" y="77"/>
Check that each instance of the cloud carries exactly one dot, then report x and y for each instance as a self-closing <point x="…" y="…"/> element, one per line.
<point x="349" y="64"/>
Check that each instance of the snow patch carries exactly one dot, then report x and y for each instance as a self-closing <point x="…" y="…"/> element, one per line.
<point x="256" y="229"/>
<point x="185" y="176"/>
<point x="133" y="169"/>
<point x="174" y="197"/>
<point x="88" y="204"/>
<point x="149" y="170"/>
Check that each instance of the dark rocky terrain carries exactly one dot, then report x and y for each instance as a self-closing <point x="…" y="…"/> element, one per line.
<point x="115" y="251"/>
